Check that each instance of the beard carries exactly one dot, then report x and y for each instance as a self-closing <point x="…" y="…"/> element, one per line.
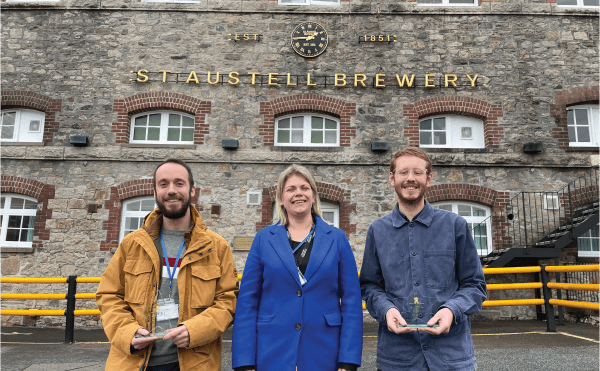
<point x="177" y="213"/>
<point x="413" y="200"/>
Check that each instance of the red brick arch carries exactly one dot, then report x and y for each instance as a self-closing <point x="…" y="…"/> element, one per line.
<point x="306" y="103"/>
<point x="124" y="191"/>
<point x="488" y="113"/>
<point x="565" y="98"/>
<point x="468" y="192"/>
<point x="139" y="103"/>
<point x="327" y="192"/>
<point x="38" y="190"/>
<point x="23" y="99"/>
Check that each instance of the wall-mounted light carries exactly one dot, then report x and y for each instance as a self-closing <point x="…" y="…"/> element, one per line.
<point x="231" y="144"/>
<point x="533" y="147"/>
<point x="379" y="147"/>
<point x="78" y="140"/>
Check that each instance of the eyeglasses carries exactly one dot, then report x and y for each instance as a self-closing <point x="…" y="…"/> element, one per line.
<point x="403" y="173"/>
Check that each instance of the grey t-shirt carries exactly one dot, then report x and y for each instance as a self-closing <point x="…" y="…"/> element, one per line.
<point x="165" y="351"/>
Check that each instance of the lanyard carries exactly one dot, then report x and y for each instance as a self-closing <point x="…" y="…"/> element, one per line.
<point x="304" y="240"/>
<point x="170" y="272"/>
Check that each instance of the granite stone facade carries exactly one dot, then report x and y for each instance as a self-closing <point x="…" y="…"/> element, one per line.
<point x="517" y="66"/>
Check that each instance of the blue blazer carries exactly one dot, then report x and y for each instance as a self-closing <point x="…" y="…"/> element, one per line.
<point x="280" y="324"/>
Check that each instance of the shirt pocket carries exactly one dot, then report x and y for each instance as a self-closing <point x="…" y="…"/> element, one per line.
<point x="137" y="279"/>
<point x="204" y="283"/>
<point x="440" y="270"/>
<point x="333" y="318"/>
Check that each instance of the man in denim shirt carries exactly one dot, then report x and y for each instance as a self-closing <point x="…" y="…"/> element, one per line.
<point x="421" y="277"/>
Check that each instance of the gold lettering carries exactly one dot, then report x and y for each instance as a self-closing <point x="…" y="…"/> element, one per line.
<point x="289" y="80"/>
<point x="360" y="78"/>
<point x="308" y="83"/>
<point x="450" y="79"/>
<point x="237" y="36"/>
<point x="210" y="82"/>
<point x="379" y="80"/>
<point x="429" y="82"/>
<point x="253" y="76"/>
<point x="164" y="72"/>
<point x="473" y="80"/>
<point x="409" y="83"/>
<point x="233" y="78"/>
<point x="255" y="36"/>
<point x="340" y="79"/>
<point x="246" y="37"/>
<point x="142" y="77"/>
<point x="192" y="77"/>
<point x="273" y="79"/>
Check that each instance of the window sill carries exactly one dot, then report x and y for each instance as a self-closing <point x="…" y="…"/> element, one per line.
<point x="458" y="150"/>
<point x="148" y="145"/>
<point x="582" y="149"/>
<point x="40" y="144"/>
<point x="26" y="250"/>
<point x="306" y="149"/>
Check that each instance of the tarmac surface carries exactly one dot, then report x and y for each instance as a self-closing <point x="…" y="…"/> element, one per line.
<point x="499" y="346"/>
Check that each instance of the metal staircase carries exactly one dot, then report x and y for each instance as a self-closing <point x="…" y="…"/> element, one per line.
<point x="538" y="225"/>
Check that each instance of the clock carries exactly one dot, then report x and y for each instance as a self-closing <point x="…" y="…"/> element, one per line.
<point x="309" y="39"/>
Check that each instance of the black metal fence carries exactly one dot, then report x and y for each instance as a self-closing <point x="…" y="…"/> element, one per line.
<point x="581" y="277"/>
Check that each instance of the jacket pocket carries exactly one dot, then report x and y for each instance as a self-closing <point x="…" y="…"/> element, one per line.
<point x="204" y="283"/>
<point x="333" y="318"/>
<point x="440" y="272"/>
<point x="137" y="279"/>
<point x="265" y="317"/>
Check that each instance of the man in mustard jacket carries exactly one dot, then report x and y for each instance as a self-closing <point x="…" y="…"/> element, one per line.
<point x="186" y="300"/>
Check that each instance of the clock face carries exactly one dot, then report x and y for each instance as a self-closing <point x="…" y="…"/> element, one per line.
<point x="309" y="39"/>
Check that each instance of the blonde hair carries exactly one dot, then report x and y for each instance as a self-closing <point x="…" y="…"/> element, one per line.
<point x="283" y="177"/>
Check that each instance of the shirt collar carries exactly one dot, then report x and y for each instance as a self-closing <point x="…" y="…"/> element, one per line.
<point x="424" y="216"/>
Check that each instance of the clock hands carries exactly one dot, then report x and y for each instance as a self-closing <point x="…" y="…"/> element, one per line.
<point x="308" y="37"/>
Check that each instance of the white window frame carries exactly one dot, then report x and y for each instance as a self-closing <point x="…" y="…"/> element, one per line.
<point x="447" y="3"/>
<point x="172" y="1"/>
<point x="307" y="130"/>
<point x="588" y="236"/>
<point x="139" y="214"/>
<point x="453" y="130"/>
<point x="471" y="220"/>
<point x="580" y="4"/>
<point x="22" y="126"/>
<point x="7" y="212"/>
<point x="309" y="2"/>
<point x="592" y="117"/>
<point x="164" y="128"/>
<point x="551" y="202"/>
<point x="325" y="206"/>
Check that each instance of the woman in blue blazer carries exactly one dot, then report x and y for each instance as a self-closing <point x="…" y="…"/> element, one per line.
<point x="299" y="305"/>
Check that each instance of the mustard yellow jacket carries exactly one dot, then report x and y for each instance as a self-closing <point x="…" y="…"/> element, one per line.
<point x="208" y="291"/>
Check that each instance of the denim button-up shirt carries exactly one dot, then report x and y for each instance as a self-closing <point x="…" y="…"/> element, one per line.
<point x="417" y="267"/>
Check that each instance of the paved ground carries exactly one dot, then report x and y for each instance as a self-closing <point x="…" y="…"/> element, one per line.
<point x="499" y="346"/>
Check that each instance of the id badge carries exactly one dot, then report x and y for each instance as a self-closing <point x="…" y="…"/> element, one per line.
<point x="301" y="276"/>
<point x="167" y="309"/>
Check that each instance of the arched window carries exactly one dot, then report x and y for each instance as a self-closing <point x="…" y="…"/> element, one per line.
<point x="329" y="211"/>
<point x="134" y="212"/>
<point x="475" y="215"/>
<point x="582" y="124"/>
<point x="22" y="125"/>
<point x="451" y="131"/>
<point x="18" y="220"/>
<point x="164" y="127"/>
<point x="307" y="130"/>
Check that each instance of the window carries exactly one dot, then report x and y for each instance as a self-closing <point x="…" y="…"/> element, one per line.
<point x="587" y="243"/>
<point x="475" y="215"/>
<point x="170" y="1"/>
<point x="551" y="202"/>
<point x="309" y="2"/>
<point x="578" y="3"/>
<point x="330" y="213"/>
<point x="582" y="122"/>
<point x="162" y="128"/>
<point x="449" y="2"/>
<point x="17" y="220"/>
<point x="451" y="132"/>
<point x="307" y="130"/>
<point x="22" y="125"/>
<point x="134" y="212"/>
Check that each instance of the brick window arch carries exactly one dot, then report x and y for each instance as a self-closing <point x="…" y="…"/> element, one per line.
<point x="564" y="98"/>
<point x="51" y="108"/>
<point x="124" y="191"/>
<point x="42" y="193"/>
<point x="488" y="113"/>
<point x="146" y="102"/>
<point x="327" y="192"/>
<point x="468" y="192"/>
<point x="306" y="103"/>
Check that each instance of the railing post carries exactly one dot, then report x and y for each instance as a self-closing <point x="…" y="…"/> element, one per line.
<point x="70" y="312"/>
<point x="550" y="321"/>
<point x="524" y="218"/>
<point x="561" y="317"/>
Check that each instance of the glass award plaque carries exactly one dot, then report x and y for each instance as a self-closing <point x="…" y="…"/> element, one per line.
<point x="160" y="318"/>
<point x="417" y="310"/>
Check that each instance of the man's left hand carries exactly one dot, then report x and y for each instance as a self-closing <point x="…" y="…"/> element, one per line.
<point x="179" y="335"/>
<point x="443" y="318"/>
